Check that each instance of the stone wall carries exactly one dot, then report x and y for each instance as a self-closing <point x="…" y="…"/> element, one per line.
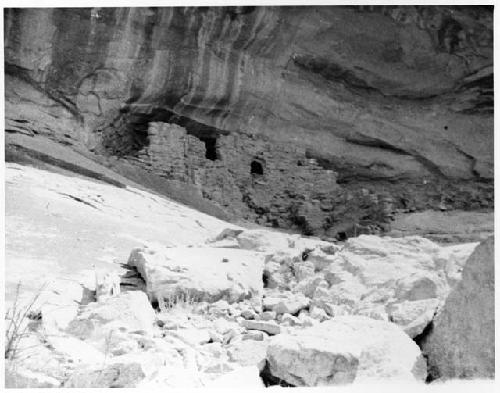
<point x="251" y="176"/>
<point x="277" y="183"/>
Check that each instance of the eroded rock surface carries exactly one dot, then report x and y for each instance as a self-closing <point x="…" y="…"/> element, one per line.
<point x="199" y="274"/>
<point x="403" y="280"/>
<point x="281" y="288"/>
<point x="345" y="350"/>
<point x="327" y="119"/>
<point x="461" y="343"/>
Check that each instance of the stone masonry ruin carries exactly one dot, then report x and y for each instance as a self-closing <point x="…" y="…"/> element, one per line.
<point x="253" y="178"/>
<point x="278" y="184"/>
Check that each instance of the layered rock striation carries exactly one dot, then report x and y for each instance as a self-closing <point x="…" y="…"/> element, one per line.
<point x="329" y="119"/>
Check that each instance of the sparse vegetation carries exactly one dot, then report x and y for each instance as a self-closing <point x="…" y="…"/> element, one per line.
<point x="17" y="321"/>
<point x="180" y="300"/>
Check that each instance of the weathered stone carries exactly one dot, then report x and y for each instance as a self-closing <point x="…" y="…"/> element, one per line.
<point x="222" y="325"/>
<point x="249" y="353"/>
<point x="290" y="303"/>
<point x="227" y="233"/>
<point x="317" y="313"/>
<point x="247" y="377"/>
<point x="289" y="320"/>
<point x="197" y="274"/>
<point x="462" y="341"/>
<point x="131" y="311"/>
<point x="269" y="327"/>
<point x="452" y="260"/>
<point x="268" y="315"/>
<point x="120" y="343"/>
<point x="231" y="335"/>
<point x="255" y="335"/>
<point x="248" y="314"/>
<point x="262" y="240"/>
<point x="20" y="378"/>
<point x="345" y="350"/>
<point x="306" y="321"/>
<point x="116" y="375"/>
<point x="292" y="306"/>
<point x="412" y="316"/>
<point x="309" y="285"/>
<point x="192" y="336"/>
<point x="370" y="271"/>
<point x="77" y="350"/>
<point x="56" y="316"/>
<point x="107" y="284"/>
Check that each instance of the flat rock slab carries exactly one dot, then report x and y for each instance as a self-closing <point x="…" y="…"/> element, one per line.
<point x="269" y="327"/>
<point x="345" y="350"/>
<point x="199" y="274"/>
<point x="130" y="310"/>
<point x="249" y="353"/>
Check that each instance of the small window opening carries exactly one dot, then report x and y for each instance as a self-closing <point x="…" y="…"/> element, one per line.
<point x="256" y="168"/>
<point x="341" y="236"/>
<point x="210" y="148"/>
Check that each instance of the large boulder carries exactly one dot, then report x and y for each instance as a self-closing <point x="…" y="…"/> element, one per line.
<point x="249" y="353"/>
<point x="130" y="311"/>
<point x="462" y="341"/>
<point x="199" y="274"/>
<point x="398" y="279"/>
<point x="270" y="327"/>
<point x="452" y="260"/>
<point x="344" y="350"/>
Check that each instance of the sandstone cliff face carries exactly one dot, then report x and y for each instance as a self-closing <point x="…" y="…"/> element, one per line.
<point x="317" y="117"/>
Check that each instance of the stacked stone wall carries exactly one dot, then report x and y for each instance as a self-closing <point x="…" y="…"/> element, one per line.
<point x="291" y="191"/>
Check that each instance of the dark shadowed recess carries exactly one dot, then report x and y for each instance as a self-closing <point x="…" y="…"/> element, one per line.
<point x="270" y="380"/>
<point x="135" y="123"/>
<point x="432" y="373"/>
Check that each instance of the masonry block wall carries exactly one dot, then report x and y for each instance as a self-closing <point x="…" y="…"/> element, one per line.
<point x="252" y="177"/>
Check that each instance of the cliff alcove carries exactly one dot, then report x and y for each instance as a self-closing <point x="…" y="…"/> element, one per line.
<point x="248" y="196"/>
<point x="360" y="113"/>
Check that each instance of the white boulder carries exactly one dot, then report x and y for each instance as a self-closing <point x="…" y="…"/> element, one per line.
<point x="344" y="350"/>
<point x="270" y="327"/>
<point x="249" y="353"/>
<point x="130" y="311"/>
<point x="199" y="274"/>
<point x="406" y="274"/>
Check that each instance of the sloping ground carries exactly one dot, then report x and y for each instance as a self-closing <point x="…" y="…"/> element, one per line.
<point x="247" y="286"/>
<point x="60" y="224"/>
<point x="43" y="151"/>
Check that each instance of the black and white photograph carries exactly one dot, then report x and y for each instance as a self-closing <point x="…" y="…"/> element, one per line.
<point x="248" y="195"/>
